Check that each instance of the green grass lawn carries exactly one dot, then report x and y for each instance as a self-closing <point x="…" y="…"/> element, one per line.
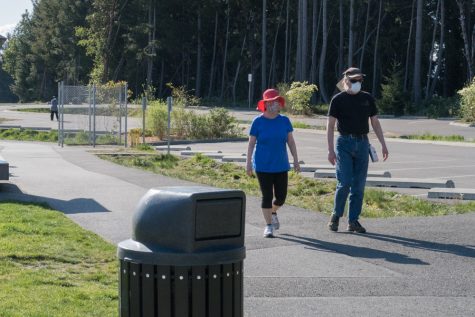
<point x="432" y="137"/>
<point x="303" y="192"/>
<point x="84" y="110"/>
<point x="80" y="138"/>
<point x="49" y="266"/>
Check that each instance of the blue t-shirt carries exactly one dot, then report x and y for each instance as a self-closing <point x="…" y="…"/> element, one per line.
<point x="270" y="154"/>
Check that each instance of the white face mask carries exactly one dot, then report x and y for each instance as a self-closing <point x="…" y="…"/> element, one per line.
<point x="355" y="87"/>
<point x="273" y="107"/>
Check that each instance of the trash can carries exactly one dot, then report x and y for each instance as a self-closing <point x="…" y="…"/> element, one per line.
<point x="185" y="257"/>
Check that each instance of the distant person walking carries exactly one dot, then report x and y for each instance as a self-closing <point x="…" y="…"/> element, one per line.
<point x="54" y="108"/>
<point x="351" y="108"/>
<point x="269" y="136"/>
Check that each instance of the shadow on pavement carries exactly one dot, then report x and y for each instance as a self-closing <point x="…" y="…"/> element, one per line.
<point x="353" y="251"/>
<point x="460" y="250"/>
<point x="11" y="192"/>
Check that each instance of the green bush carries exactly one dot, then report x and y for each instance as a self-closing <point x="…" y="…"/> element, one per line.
<point x="218" y="123"/>
<point x="298" y="97"/>
<point x="78" y="138"/>
<point x="221" y="123"/>
<point x="198" y="127"/>
<point x="181" y="122"/>
<point x="437" y="107"/>
<point x="182" y="97"/>
<point x="157" y="118"/>
<point x="283" y="88"/>
<point x="467" y="102"/>
<point x="393" y="99"/>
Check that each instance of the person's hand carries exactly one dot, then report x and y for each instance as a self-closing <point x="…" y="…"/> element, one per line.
<point x="385" y="153"/>
<point x="297" y="166"/>
<point x="249" y="170"/>
<point x="332" y="157"/>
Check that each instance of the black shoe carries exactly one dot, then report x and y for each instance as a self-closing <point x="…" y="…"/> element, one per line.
<point x="355" y="226"/>
<point x="333" y="224"/>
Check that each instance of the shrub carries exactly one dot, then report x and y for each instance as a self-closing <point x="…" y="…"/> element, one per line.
<point x="157" y="118"/>
<point x="182" y="97"/>
<point x="298" y="97"/>
<point x="437" y="107"/>
<point x="221" y="123"/>
<point x="181" y="122"/>
<point x="393" y="99"/>
<point x="218" y="123"/>
<point x="467" y="102"/>
<point x="283" y="88"/>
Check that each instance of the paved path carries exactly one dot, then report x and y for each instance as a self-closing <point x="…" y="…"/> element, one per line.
<point x="402" y="267"/>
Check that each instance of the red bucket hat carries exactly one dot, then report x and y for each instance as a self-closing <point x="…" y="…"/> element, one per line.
<point x="270" y="95"/>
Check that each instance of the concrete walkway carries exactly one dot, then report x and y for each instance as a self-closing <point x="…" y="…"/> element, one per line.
<point x="403" y="267"/>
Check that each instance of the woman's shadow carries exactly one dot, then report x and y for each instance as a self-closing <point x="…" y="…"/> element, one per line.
<point x="369" y="253"/>
<point x="351" y="250"/>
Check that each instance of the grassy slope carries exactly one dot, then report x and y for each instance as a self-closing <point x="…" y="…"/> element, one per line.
<point x="49" y="266"/>
<point x="303" y="192"/>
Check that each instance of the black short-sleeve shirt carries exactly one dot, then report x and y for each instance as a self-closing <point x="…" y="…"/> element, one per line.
<point x="352" y="112"/>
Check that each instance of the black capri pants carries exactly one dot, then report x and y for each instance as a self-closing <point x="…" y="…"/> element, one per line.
<point x="273" y="184"/>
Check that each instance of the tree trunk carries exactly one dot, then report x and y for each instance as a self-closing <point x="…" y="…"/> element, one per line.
<point x="298" y="58"/>
<point x="237" y="70"/>
<point x="406" y="73"/>
<point x="162" y="75"/>
<point x="416" y="85"/>
<point x="183" y="65"/>
<point x="264" y="48"/>
<point x="198" y="57"/>
<point x="441" y="48"/>
<point x="149" y="51"/>
<point x="225" y="57"/>
<point x="272" y="70"/>
<point x="315" y="25"/>
<point x="303" y="72"/>
<point x="431" y="52"/>
<point x="321" y="77"/>
<point x="368" y="10"/>
<point x="286" y="71"/>
<point x="341" y="45"/>
<point x="466" y="40"/>
<point x="376" y="47"/>
<point x="290" y="55"/>
<point x="211" y="73"/>
<point x="351" y="34"/>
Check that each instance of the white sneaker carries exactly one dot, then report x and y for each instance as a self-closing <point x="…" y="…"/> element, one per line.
<point x="269" y="231"/>
<point x="275" y="222"/>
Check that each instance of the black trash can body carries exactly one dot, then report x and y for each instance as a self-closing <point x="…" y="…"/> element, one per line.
<point x="185" y="257"/>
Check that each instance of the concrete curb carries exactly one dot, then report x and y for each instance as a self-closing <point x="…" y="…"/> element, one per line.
<point x="191" y="153"/>
<point x="409" y="182"/>
<point x="178" y="142"/>
<point x="173" y="148"/>
<point x="331" y="173"/>
<point x="452" y="193"/>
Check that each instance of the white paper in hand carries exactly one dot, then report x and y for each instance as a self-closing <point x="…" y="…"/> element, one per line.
<point x="373" y="154"/>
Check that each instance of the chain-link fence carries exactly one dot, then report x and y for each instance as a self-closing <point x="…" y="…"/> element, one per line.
<point x="94" y="114"/>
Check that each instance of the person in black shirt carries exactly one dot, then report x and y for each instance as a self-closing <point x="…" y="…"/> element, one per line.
<point x="351" y="109"/>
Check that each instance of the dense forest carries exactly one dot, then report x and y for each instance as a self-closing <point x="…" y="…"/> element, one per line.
<point x="417" y="49"/>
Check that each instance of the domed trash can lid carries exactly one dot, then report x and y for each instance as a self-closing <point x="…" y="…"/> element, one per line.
<point x="194" y="225"/>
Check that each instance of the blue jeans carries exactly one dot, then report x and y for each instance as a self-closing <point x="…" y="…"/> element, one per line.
<point x="351" y="170"/>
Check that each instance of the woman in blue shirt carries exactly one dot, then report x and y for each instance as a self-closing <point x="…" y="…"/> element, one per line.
<point x="268" y="138"/>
